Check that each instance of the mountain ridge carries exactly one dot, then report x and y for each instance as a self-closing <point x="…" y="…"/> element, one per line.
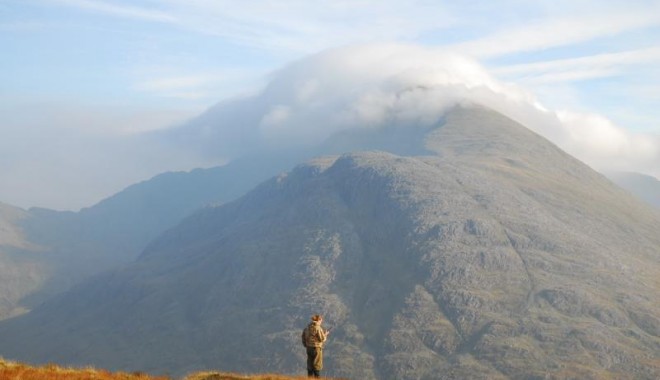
<point x="434" y="266"/>
<point x="70" y="246"/>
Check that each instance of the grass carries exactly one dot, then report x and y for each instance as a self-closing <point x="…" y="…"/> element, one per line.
<point x="10" y="370"/>
<point x="234" y="376"/>
<point x="17" y="371"/>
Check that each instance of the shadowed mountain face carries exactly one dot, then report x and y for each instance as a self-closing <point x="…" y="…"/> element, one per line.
<point x="44" y="252"/>
<point x="21" y="262"/>
<point x="495" y="255"/>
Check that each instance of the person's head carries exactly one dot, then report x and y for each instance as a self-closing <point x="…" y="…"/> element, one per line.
<point x="317" y="318"/>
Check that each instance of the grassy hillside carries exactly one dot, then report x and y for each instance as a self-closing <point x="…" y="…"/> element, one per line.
<point x="10" y="370"/>
<point x="233" y="376"/>
<point x="13" y="371"/>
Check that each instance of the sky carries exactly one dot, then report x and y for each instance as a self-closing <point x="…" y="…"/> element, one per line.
<point x="83" y="83"/>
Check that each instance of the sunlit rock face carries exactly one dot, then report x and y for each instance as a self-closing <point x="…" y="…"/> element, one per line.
<point x="483" y="252"/>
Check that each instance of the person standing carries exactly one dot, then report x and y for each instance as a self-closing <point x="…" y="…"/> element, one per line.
<point x="313" y="338"/>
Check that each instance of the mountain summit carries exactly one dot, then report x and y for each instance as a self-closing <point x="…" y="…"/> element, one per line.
<point x="494" y="255"/>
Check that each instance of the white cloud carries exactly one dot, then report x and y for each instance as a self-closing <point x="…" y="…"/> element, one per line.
<point x="607" y="146"/>
<point x="369" y="86"/>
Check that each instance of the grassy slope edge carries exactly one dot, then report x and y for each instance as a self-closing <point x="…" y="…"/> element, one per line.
<point x="10" y="370"/>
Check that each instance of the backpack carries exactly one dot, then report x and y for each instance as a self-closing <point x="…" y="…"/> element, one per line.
<point x="305" y="336"/>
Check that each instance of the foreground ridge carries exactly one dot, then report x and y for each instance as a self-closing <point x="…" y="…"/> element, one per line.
<point x="10" y="370"/>
<point x="234" y="376"/>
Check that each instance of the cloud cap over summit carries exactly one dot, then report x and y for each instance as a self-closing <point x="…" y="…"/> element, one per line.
<point x="377" y="85"/>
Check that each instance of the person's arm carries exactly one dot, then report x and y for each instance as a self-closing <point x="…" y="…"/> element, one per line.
<point x="321" y="334"/>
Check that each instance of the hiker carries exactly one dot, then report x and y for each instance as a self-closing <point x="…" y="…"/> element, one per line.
<point x="313" y="337"/>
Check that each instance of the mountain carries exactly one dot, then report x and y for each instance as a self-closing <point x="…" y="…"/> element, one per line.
<point x="45" y="252"/>
<point x="494" y="255"/>
<point x="643" y="186"/>
<point x="10" y="233"/>
<point x="71" y="246"/>
<point x="21" y="269"/>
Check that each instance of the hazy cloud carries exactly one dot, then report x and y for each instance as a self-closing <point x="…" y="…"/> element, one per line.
<point x="65" y="156"/>
<point x="370" y="86"/>
<point x="205" y="85"/>
<point x="608" y="147"/>
<point x="354" y="87"/>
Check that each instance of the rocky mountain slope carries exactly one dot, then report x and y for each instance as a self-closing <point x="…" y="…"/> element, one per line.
<point x="495" y="255"/>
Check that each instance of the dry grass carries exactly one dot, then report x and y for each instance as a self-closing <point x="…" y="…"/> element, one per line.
<point x="18" y="371"/>
<point x="10" y="370"/>
<point x="234" y="376"/>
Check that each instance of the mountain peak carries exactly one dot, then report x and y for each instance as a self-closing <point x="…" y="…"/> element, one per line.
<point x="479" y="133"/>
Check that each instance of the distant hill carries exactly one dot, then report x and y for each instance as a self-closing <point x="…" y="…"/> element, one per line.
<point x="21" y="269"/>
<point x="643" y="186"/>
<point x="492" y="255"/>
<point x="44" y="252"/>
<point x="11" y="234"/>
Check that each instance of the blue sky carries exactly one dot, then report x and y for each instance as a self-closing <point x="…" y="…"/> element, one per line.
<point x="78" y="78"/>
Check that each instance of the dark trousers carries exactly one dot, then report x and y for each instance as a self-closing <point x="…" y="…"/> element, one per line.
<point x="314" y="361"/>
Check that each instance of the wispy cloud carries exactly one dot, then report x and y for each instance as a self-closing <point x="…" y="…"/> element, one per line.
<point x="184" y="87"/>
<point x="288" y="25"/>
<point x="23" y="26"/>
<point x="206" y="85"/>
<point x="553" y="32"/>
<point x="575" y="69"/>
<point x="305" y="26"/>
<point x="120" y="10"/>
